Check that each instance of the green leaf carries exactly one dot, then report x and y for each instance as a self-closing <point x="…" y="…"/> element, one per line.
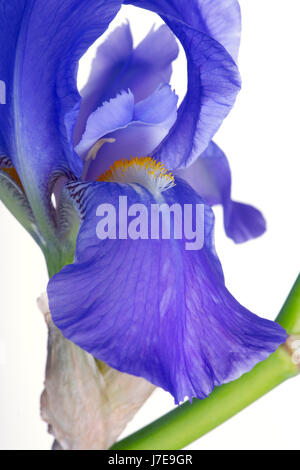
<point x="67" y="224"/>
<point x="16" y="202"/>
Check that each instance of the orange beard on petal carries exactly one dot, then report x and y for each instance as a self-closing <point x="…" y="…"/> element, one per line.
<point x="146" y="171"/>
<point x="14" y="175"/>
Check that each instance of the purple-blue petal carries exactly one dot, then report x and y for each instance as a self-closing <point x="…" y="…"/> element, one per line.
<point x="117" y="66"/>
<point x="137" y="128"/>
<point x="151" y="63"/>
<point x="112" y="115"/>
<point x="243" y="222"/>
<point x="119" y="112"/>
<point x="222" y="21"/>
<point x="111" y="58"/>
<point x="219" y="19"/>
<point x="210" y="176"/>
<point x="157" y="107"/>
<point x="153" y="309"/>
<point x="213" y="80"/>
<point x="137" y="139"/>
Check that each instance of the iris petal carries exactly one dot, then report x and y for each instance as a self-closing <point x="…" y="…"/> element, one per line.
<point x="210" y="176"/>
<point x="111" y="58"/>
<point x="112" y="115"/>
<point x="137" y="128"/>
<point x="118" y="66"/>
<point x="219" y="19"/>
<point x="213" y="80"/>
<point x="153" y="309"/>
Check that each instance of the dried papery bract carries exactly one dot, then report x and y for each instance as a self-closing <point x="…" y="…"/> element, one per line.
<point x="85" y="403"/>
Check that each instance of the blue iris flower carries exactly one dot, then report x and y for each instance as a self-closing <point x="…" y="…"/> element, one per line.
<point x="150" y="307"/>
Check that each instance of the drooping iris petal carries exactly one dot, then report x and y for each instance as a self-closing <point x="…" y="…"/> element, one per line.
<point x="213" y="78"/>
<point x="152" y="308"/>
<point x="40" y="46"/>
<point x="210" y="176"/>
<point x="118" y="66"/>
<point x="243" y="222"/>
<point x="137" y="128"/>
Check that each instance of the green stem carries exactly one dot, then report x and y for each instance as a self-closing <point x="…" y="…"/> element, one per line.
<point x="289" y="315"/>
<point x="187" y="423"/>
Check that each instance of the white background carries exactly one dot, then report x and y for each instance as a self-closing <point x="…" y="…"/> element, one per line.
<point x="261" y="139"/>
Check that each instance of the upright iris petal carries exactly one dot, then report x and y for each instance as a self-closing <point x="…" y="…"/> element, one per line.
<point x="219" y="19"/>
<point x="213" y="78"/>
<point x="150" y="307"/>
<point x="118" y="66"/>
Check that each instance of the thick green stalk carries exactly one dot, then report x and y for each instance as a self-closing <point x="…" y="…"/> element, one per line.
<point x="187" y="423"/>
<point x="289" y="315"/>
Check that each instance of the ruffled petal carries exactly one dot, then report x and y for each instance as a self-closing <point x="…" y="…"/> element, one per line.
<point x="40" y="47"/>
<point x="213" y="79"/>
<point x="158" y="107"/>
<point x="112" y="115"/>
<point x="136" y="128"/>
<point x="210" y="176"/>
<point x="152" y="308"/>
<point x="117" y="66"/>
